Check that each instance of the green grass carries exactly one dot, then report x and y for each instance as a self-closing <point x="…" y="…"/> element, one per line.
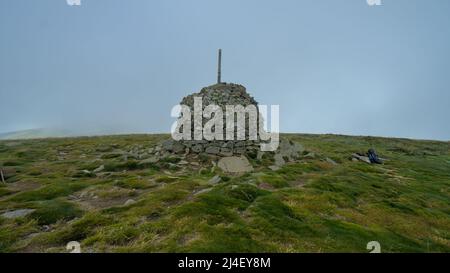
<point x="48" y="192"/>
<point x="49" y="212"/>
<point x="308" y="206"/>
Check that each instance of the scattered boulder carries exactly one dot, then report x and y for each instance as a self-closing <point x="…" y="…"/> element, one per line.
<point x="150" y="160"/>
<point x="113" y="154"/>
<point x="289" y="149"/>
<point x="358" y="157"/>
<point x="203" y="191"/>
<point x="130" y="202"/>
<point x="310" y="155"/>
<point x="17" y="213"/>
<point x="234" y="164"/>
<point x="216" y="179"/>
<point x="99" y="169"/>
<point x="84" y="173"/>
<point x="274" y="168"/>
<point x="279" y="160"/>
<point x="331" y="161"/>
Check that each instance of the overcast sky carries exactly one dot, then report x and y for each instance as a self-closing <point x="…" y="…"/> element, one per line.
<point x="333" y="66"/>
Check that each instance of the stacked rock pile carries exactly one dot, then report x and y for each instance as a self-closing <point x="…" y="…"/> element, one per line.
<point x="222" y="94"/>
<point x="232" y="155"/>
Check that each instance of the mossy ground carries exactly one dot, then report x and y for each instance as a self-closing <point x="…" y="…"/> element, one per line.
<point x="308" y="206"/>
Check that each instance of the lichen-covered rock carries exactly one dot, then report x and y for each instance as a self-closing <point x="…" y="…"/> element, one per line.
<point x="234" y="164"/>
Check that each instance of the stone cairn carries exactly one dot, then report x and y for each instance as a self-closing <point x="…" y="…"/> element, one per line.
<point x="219" y="94"/>
<point x="223" y="94"/>
<point x="232" y="154"/>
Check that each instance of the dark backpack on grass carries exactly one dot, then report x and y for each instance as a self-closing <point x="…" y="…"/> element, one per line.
<point x="373" y="157"/>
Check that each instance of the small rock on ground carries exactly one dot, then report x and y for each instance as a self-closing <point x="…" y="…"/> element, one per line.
<point x="331" y="161"/>
<point x="17" y="213"/>
<point x="130" y="202"/>
<point x="152" y="159"/>
<point x="234" y="164"/>
<point x="361" y="158"/>
<point x="203" y="191"/>
<point x="279" y="160"/>
<point x="99" y="169"/>
<point x="274" y="168"/>
<point x="216" y="179"/>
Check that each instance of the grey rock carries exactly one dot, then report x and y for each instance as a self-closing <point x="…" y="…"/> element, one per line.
<point x="259" y="155"/>
<point x="239" y="144"/>
<point x="361" y="158"/>
<point x="203" y="191"/>
<point x="183" y="162"/>
<point x="99" y="169"/>
<point x="274" y="168"/>
<point x="103" y="174"/>
<point x="331" y="161"/>
<point x="168" y="145"/>
<point x="228" y="145"/>
<point x="150" y="160"/>
<point x="289" y="149"/>
<point x="226" y="152"/>
<point x="279" y="160"/>
<point x="132" y="155"/>
<point x="216" y="179"/>
<point x="212" y="150"/>
<point x="178" y="148"/>
<point x="234" y="164"/>
<point x="197" y="148"/>
<point x="172" y="146"/>
<point x="17" y="213"/>
<point x="298" y="148"/>
<point x="130" y="202"/>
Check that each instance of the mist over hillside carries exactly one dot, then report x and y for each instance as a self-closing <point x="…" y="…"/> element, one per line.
<point x="59" y="132"/>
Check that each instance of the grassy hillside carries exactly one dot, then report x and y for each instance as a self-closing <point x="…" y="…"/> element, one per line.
<point x="36" y="133"/>
<point x="314" y="205"/>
